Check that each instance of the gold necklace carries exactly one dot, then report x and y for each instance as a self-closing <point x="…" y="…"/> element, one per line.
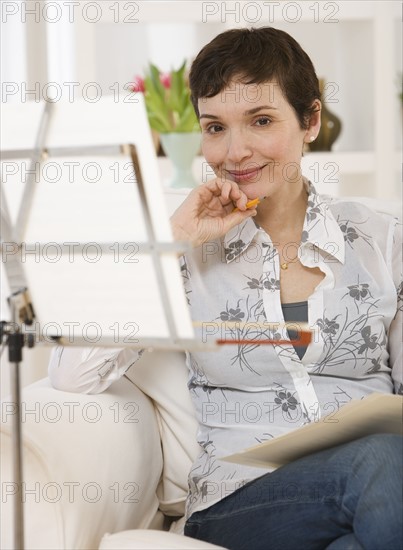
<point x="284" y="265"/>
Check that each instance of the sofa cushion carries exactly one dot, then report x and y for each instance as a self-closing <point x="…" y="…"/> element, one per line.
<point x="92" y="465"/>
<point x="162" y="375"/>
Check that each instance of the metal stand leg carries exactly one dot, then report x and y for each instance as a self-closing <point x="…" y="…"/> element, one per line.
<point x="15" y="343"/>
<point x="17" y="453"/>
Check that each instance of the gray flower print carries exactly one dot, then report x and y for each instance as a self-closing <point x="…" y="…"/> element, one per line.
<point x="351" y="232"/>
<point x="400" y="297"/>
<point x="376" y="366"/>
<point x="232" y="314"/>
<point x="312" y="211"/>
<point x="358" y="292"/>
<point x="254" y="284"/>
<point x="361" y="294"/>
<point x="272" y="284"/>
<point x="370" y="342"/>
<point x="329" y="326"/>
<point x="286" y="400"/>
<point x="234" y="249"/>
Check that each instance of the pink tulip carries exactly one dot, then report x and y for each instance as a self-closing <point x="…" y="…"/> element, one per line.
<point x="165" y="79"/>
<point x="138" y="84"/>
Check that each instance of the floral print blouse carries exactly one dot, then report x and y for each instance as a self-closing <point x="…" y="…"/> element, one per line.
<point x="248" y="393"/>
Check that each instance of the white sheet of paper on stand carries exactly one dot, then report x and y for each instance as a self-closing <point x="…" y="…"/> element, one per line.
<point x="80" y="203"/>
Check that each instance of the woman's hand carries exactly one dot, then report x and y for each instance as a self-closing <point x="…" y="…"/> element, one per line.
<point x="208" y="212"/>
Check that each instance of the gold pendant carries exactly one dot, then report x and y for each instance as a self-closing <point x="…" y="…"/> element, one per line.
<point x="284" y="266"/>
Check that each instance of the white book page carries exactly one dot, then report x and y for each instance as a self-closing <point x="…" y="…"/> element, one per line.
<point x="377" y="413"/>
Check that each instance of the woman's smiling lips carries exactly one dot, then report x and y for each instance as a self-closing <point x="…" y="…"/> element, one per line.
<point x="252" y="174"/>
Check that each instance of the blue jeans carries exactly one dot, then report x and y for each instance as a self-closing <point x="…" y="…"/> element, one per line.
<point x="347" y="497"/>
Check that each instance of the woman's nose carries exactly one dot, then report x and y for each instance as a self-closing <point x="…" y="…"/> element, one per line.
<point x="238" y="147"/>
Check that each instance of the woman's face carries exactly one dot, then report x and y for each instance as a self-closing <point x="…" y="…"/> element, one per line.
<point x="251" y="135"/>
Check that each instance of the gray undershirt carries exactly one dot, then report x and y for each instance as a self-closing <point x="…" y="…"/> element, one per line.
<point x="296" y="312"/>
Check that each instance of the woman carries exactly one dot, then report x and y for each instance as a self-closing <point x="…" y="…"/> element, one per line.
<point x="295" y="256"/>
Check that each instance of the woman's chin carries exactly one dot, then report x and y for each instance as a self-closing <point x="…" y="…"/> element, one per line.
<point x="253" y="190"/>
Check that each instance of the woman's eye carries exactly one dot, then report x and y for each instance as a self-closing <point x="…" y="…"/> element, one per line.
<point x="263" y="121"/>
<point x="214" y="129"/>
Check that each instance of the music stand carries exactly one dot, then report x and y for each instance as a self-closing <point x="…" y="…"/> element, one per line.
<point x="90" y="257"/>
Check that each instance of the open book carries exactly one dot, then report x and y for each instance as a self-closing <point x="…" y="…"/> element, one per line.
<point x="377" y="413"/>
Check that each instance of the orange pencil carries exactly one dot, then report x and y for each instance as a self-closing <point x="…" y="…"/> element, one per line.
<point x="249" y="204"/>
<point x="303" y="340"/>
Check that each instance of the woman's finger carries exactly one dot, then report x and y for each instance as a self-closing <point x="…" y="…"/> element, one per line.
<point x="236" y="217"/>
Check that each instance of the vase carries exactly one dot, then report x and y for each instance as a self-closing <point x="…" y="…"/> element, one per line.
<point x="330" y="127"/>
<point x="156" y="140"/>
<point x="181" y="148"/>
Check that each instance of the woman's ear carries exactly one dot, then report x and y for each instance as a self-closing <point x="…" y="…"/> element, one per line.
<point x="312" y="131"/>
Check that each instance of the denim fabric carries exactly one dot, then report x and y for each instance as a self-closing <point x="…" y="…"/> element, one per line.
<point x="347" y="497"/>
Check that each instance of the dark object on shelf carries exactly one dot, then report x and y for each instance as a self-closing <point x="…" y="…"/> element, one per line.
<point x="330" y="127"/>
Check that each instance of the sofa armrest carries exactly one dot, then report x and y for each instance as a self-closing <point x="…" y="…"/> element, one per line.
<point x="91" y="465"/>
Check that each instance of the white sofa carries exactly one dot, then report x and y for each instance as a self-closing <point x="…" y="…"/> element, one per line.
<point x="109" y="471"/>
<point x="104" y="471"/>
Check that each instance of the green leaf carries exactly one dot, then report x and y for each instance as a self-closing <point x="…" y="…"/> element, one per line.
<point x="155" y="79"/>
<point x="155" y="103"/>
<point x="188" y="121"/>
<point x="176" y="91"/>
<point x="159" y="124"/>
<point x="169" y="110"/>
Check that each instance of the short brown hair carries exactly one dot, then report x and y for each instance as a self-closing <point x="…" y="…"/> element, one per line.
<point x="255" y="56"/>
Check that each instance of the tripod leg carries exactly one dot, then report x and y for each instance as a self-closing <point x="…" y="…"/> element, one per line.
<point x="15" y="343"/>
